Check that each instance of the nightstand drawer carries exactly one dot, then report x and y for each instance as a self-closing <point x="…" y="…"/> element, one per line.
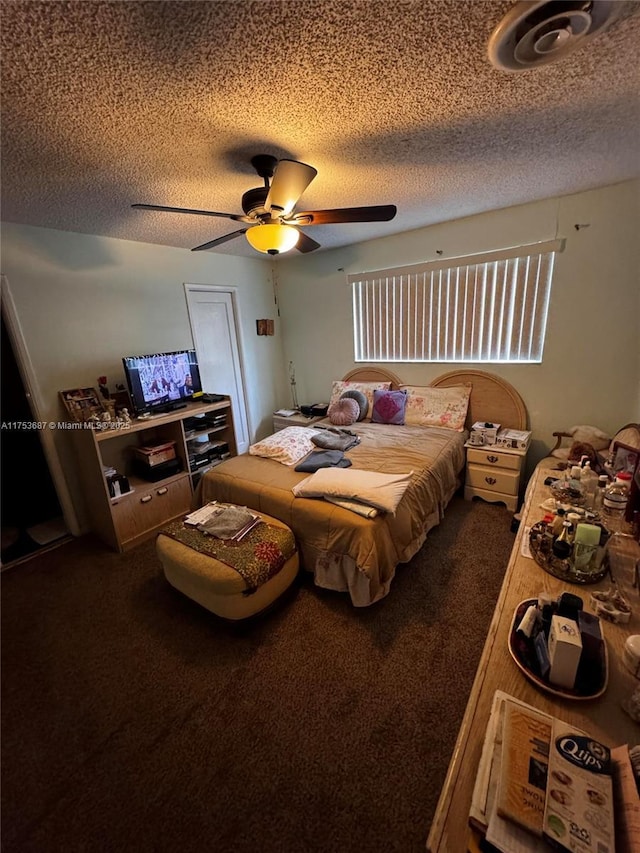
<point x="493" y="479"/>
<point x="492" y="456"/>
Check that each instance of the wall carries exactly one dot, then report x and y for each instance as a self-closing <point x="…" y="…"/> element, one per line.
<point x="83" y="302"/>
<point x="590" y="371"/>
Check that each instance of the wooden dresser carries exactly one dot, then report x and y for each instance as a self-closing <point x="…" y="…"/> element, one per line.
<point x="603" y="718"/>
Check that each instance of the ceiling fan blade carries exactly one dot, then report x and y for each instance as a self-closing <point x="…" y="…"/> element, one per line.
<point x="306" y="244"/>
<point x="290" y="180"/>
<point x="236" y="217"/>
<point x="375" y="213"/>
<point x="219" y="240"/>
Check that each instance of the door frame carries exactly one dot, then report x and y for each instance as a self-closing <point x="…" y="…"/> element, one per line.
<point x="231" y="291"/>
<point x="35" y="402"/>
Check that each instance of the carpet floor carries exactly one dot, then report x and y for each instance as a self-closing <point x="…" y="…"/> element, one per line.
<point x="134" y="720"/>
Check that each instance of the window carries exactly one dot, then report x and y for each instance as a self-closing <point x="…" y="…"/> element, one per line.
<point x="490" y="307"/>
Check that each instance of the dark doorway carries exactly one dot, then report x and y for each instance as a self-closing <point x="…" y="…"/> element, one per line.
<point x="30" y="509"/>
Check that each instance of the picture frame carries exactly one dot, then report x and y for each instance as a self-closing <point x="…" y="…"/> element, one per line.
<point x="624" y="458"/>
<point x="81" y="403"/>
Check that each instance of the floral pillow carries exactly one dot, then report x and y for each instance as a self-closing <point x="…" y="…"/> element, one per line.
<point x="340" y="386"/>
<point x="389" y="407"/>
<point x="444" y="407"/>
<point x="287" y="445"/>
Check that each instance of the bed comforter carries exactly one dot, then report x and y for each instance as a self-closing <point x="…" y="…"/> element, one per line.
<point x="345" y="551"/>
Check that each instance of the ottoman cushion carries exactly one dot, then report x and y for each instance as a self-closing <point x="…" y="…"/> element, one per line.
<point x="202" y="575"/>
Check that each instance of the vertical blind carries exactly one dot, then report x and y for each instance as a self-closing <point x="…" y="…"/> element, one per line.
<point x="490" y="307"/>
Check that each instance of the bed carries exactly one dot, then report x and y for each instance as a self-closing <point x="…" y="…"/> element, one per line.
<point x="345" y="551"/>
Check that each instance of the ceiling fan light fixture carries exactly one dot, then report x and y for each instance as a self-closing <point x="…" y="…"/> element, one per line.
<point x="273" y="238"/>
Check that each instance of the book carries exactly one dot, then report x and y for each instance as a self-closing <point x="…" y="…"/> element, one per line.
<point x="523" y="778"/>
<point x="578" y="812"/>
<point x="202" y="515"/>
<point x="578" y="798"/>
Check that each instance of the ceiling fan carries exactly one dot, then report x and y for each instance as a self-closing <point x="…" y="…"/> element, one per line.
<point x="269" y="211"/>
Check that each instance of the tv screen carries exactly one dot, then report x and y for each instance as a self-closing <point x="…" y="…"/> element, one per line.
<point x="162" y="381"/>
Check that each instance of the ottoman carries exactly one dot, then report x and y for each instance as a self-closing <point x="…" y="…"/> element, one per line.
<point x="202" y="567"/>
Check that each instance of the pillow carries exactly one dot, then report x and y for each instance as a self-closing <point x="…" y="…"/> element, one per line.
<point x="339" y="387"/>
<point x="586" y="434"/>
<point x="444" y="407"/>
<point x="344" y="411"/>
<point x="384" y="491"/>
<point x="287" y="446"/>
<point x="388" y="407"/>
<point x="361" y="399"/>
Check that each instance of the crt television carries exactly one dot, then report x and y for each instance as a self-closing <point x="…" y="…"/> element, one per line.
<point x="162" y="381"/>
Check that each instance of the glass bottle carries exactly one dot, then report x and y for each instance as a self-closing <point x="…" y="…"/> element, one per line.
<point x="589" y="483"/>
<point x="556" y="525"/>
<point x="562" y="546"/>
<point x="615" y="500"/>
<point x="603" y="482"/>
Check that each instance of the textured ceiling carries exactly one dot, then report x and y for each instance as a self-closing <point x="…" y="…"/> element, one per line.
<point x="109" y="103"/>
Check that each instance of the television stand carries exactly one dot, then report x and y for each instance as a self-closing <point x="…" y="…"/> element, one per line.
<point x="125" y="521"/>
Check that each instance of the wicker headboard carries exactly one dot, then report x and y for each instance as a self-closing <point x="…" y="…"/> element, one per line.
<point x="492" y="398"/>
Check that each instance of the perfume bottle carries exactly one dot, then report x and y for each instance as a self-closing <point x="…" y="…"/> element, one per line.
<point x="562" y="546"/>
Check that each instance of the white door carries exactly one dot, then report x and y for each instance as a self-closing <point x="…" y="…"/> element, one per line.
<point x="213" y="325"/>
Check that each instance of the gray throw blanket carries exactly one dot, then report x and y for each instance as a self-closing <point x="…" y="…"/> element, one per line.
<point x="334" y="438"/>
<point x="323" y="459"/>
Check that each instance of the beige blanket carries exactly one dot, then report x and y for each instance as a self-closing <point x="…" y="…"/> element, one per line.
<point x="346" y="551"/>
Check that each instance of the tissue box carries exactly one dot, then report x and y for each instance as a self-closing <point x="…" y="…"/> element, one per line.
<point x="487" y="430"/>
<point x="514" y="438"/>
<point x="565" y="649"/>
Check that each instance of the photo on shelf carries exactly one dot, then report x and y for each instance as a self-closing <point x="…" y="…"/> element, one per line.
<point x="82" y="403"/>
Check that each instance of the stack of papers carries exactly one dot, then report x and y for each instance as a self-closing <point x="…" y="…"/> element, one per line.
<point x="541" y="778"/>
<point x="223" y="521"/>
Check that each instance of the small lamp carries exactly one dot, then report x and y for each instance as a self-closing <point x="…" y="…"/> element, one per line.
<point x="273" y="239"/>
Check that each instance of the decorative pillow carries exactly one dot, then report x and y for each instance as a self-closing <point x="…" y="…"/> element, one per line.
<point x="444" y="407"/>
<point x="361" y="399"/>
<point x="339" y="387"/>
<point x="344" y="411"/>
<point x="384" y="491"/>
<point x="287" y="446"/>
<point x="388" y="407"/>
<point x="598" y="439"/>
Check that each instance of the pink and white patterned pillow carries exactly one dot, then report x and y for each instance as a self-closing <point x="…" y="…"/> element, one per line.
<point x="340" y="386"/>
<point x="287" y="446"/>
<point x="344" y="411"/>
<point x="444" y="407"/>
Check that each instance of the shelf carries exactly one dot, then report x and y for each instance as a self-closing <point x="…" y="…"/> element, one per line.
<point x="128" y="519"/>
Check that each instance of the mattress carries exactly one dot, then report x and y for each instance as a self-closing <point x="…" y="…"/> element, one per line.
<point x="345" y="551"/>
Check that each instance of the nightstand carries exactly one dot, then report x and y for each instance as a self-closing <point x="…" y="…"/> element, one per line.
<point x="281" y="422"/>
<point x="493" y="474"/>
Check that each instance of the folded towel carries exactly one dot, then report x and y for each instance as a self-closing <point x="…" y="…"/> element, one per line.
<point x="354" y="506"/>
<point x="226" y="523"/>
<point x="335" y="440"/>
<point x="323" y="459"/>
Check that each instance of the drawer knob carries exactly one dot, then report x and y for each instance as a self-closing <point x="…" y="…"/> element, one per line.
<point x="491" y="480"/>
<point x="146" y="499"/>
<point x="162" y="491"/>
<point x="493" y="458"/>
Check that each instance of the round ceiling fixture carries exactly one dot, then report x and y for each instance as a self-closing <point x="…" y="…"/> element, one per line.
<point x="536" y="32"/>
